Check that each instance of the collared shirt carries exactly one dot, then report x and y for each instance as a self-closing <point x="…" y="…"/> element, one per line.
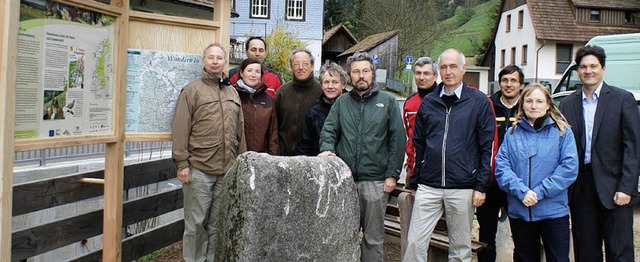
<point x="509" y="106"/>
<point x="457" y="91"/>
<point x="589" y="113"/>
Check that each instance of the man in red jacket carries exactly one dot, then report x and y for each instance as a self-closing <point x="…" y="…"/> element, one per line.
<point x="425" y="72"/>
<point x="257" y="47"/>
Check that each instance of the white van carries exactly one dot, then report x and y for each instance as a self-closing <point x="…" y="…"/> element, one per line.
<point x="622" y="63"/>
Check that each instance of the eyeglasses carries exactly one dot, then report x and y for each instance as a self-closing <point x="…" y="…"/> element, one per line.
<point x="512" y="81"/>
<point x="358" y="72"/>
<point x="424" y="73"/>
<point x="300" y="65"/>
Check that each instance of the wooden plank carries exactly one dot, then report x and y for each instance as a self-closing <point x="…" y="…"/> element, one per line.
<point x="222" y="15"/>
<point x="147" y="242"/>
<point x="37" y="195"/>
<point x="114" y="152"/>
<point x="392" y="210"/>
<point x="178" y="21"/>
<point x="405" y="204"/>
<point x="37" y="240"/>
<point x="9" y="14"/>
<point x="147" y="137"/>
<point x="153" y="36"/>
<point x="54" y="142"/>
<point x="145" y="173"/>
<point x="142" y="244"/>
<point x="95" y="6"/>
<point x="51" y="192"/>
<point x="151" y="206"/>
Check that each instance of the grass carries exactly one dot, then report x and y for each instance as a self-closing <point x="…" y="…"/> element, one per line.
<point x="153" y="255"/>
<point x="479" y="26"/>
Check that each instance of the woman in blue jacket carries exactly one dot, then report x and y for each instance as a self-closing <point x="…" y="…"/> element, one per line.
<point x="535" y="165"/>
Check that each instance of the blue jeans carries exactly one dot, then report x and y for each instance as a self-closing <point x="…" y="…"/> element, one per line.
<point x="526" y="239"/>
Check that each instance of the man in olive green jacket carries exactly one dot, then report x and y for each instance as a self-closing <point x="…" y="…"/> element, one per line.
<point x="364" y="128"/>
<point x="208" y="134"/>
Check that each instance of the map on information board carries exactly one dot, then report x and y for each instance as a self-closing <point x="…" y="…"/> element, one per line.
<point x="154" y="81"/>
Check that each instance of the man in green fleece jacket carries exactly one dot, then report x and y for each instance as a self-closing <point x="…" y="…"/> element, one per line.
<point x="364" y="129"/>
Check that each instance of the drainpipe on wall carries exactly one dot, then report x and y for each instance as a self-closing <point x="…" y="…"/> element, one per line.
<point x="537" y="55"/>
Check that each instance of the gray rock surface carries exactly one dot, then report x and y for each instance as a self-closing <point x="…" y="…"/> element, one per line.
<point x="288" y="209"/>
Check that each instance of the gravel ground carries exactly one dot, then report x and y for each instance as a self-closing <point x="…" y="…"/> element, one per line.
<point x="173" y="253"/>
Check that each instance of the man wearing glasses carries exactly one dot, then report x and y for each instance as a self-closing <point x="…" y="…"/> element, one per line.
<point x="364" y="129"/>
<point x="505" y="105"/>
<point x="425" y="72"/>
<point x="294" y="99"/>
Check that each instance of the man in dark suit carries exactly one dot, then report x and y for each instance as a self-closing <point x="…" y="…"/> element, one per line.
<point x="606" y="124"/>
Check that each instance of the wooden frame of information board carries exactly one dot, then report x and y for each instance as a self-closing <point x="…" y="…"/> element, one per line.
<point x="132" y="30"/>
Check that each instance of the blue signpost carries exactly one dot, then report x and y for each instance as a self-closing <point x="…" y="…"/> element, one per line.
<point x="376" y="59"/>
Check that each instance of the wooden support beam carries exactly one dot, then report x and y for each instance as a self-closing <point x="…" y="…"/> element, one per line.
<point x="114" y="153"/>
<point x="9" y="14"/>
<point x="222" y="16"/>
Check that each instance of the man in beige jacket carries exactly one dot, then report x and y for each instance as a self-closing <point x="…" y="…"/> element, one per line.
<point x="208" y="134"/>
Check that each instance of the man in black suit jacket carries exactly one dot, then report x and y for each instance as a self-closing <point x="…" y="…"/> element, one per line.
<point x="606" y="124"/>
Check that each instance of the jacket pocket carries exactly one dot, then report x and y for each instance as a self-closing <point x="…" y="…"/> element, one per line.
<point x="196" y="143"/>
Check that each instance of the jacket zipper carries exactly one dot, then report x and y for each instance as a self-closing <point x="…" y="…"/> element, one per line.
<point x="359" y="138"/>
<point x="224" y="150"/>
<point x="530" y="219"/>
<point x="444" y="145"/>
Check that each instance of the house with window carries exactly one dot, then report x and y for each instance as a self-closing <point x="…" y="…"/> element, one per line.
<point x="542" y="36"/>
<point x="259" y="17"/>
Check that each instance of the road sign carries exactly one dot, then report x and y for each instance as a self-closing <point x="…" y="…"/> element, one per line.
<point x="408" y="59"/>
<point x="376" y="59"/>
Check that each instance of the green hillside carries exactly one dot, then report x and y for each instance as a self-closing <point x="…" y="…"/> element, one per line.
<point x="473" y="35"/>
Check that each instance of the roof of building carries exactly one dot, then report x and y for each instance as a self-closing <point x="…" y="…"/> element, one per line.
<point x="370" y="42"/>
<point x="334" y="30"/>
<point x="608" y="4"/>
<point x="554" y="20"/>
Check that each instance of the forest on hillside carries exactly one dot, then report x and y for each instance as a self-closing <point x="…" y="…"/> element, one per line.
<point x="426" y="27"/>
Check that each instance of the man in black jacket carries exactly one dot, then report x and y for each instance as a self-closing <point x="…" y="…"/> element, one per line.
<point x="606" y="125"/>
<point x="453" y="138"/>
<point x="505" y="105"/>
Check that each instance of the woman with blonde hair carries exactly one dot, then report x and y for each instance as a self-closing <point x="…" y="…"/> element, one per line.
<point x="535" y="165"/>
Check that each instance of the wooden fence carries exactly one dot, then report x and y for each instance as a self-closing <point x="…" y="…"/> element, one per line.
<point x="38" y="195"/>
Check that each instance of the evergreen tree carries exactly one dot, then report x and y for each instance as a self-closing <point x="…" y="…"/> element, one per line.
<point x="333" y="13"/>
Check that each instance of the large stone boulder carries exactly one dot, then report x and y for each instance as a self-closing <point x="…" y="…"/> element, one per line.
<point x="288" y="209"/>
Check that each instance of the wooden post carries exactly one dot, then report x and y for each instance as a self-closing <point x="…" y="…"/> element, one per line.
<point x="9" y="10"/>
<point x="405" y="204"/>
<point x="222" y="15"/>
<point x="114" y="152"/>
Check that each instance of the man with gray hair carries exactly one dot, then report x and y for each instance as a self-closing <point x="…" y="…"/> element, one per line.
<point x="425" y="73"/>
<point x="294" y="99"/>
<point x="334" y="81"/>
<point x="207" y="110"/>
<point x="364" y="129"/>
<point x="453" y="139"/>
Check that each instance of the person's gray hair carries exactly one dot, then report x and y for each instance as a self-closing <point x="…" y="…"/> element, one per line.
<point x="298" y="50"/>
<point x="361" y="56"/>
<point x="204" y="52"/>
<point x="426" y="61"/>
<point x="463" y="61"/>
<point x="334" y="70"/>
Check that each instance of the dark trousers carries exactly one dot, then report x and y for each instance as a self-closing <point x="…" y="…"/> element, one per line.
<point x="526" y="239"/>
<point x="487" y="215"/>
<point x="593" y="224"/>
